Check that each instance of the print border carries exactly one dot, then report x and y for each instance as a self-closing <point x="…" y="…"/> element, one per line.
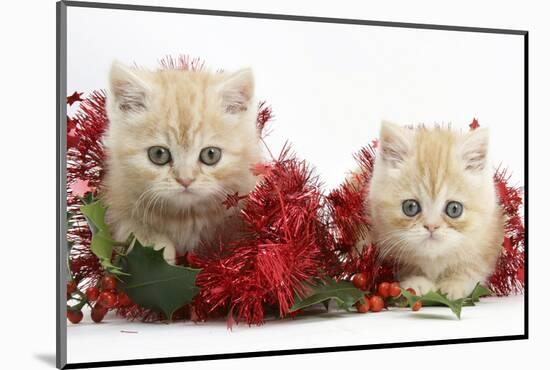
<point x="61" y="196"/>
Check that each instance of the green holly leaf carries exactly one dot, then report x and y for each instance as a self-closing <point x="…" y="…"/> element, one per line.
<point x="434" y="299"/>
<point x="102" y="242"/>
<point x="153" y="283"/>
<point x="440" y="299"/>
<point x="478" y="292"/>
<point x="95" y="215"/>
<point x="345" y="294"/>
<point x="88" y="198"/>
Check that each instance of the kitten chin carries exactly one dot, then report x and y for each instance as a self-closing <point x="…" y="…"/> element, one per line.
<point x="177" y="144"/>
<point x="434" y="209"/>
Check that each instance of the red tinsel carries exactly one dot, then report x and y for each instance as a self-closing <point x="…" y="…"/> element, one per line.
<point x="85" y="157"/>
<point x="292" y="233"/>
<point x="278" y="255"/>
<point x="349" y="224"/>
<point x="508" y="277"/>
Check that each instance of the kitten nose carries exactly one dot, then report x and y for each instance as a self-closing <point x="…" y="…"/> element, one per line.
<point x="431" y="227"/>
<point x="185" y="182"/>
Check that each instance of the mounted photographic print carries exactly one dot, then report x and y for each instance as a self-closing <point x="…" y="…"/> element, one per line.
<point x="239" y="184"/>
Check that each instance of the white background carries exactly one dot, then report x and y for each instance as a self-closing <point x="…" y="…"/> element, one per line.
<point x="330" y="85"/>
<point x="28" y="186"/>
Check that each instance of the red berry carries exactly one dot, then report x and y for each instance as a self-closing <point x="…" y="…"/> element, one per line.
<point x="376" y="303"/>
<point x="74" y="316"/>
<point x="92" y="293"/>
<point x="384" y="289"/>
<point x="108" y="282"/>
<point x="123" y="299"/>
<point x="107" y="299"/>
<point x="417" y="306"/>
<point x="98" y="313"/>
<point x="363" y="307"/>
<point x="411" y="290"/>
<point x="71" y="287"/>
<point x="359" y="280"/>
<point x="395" y="290"/>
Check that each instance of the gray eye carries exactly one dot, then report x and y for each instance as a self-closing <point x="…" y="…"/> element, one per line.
<point x="210" y="155"/>
<point x="454" y="209"/>
<point x="159" y="155"/>
<point x="411" y="207"/>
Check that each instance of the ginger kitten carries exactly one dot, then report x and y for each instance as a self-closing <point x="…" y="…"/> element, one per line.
<point x="434" y="208"/>
<point x="178" y="142"/>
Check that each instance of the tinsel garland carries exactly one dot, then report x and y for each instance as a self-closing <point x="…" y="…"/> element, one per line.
<point x="349" y="224"/>
<point x="293" y="233"/>
<point x="85" y="155"/>
<point x="269" y="266"/>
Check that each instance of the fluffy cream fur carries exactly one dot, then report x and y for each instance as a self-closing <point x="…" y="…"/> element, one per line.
<point x="183" y="111"/>
<point x="433" y="167"/>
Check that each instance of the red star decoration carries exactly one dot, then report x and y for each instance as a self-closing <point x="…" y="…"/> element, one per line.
<point x="474" y="124"/>
<point x="260" y="169"/>
<point x="80" y="188"/>
<point x="74" y="98"/>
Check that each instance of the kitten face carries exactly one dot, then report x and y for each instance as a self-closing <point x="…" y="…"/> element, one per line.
<point x="431" y="193"/>
<point x="179" y="139"/>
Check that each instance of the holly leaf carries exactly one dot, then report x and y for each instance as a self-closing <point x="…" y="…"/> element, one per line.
<point x="345" y="294"/>
<point x="434" y="299"/>
<point x="153" y="283"/>
<point x="102" y="242"/>
<point x="88" y="198"/>
<point x="95" y="215"/>
<point x="478" y="292"/>
<point x="440" y="299"/>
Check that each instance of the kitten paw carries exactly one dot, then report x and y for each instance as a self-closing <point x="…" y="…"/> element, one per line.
<point x="420" y="284"/>
<point x="169" y="252"/>
<point x="456" y="289"/>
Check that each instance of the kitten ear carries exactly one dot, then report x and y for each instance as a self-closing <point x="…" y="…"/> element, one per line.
<point x="237" y="91"/>
<point x="128" y="90"/>
<point x="474" y="148"/>
<point x="395" y="143"/>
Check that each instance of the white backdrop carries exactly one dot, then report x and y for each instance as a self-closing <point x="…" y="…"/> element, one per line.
<point x="329" y="85"/>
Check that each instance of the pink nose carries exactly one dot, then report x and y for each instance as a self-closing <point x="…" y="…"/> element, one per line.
<point x="431" y="227"/>
<point x="185" y="182"/>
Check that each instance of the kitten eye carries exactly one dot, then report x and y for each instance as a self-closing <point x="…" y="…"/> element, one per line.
<point x="159" y="155"/>
<point x="210" y="155"/>
<point x="411" y="207"/>
<point x="454" y="209"/>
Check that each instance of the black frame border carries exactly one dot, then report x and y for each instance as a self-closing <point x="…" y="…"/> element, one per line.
<point x="61" y="196"/>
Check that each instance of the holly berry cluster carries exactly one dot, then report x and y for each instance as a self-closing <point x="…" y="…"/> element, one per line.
<point x="101" y="298"/>
<point x="386" y="293"/>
